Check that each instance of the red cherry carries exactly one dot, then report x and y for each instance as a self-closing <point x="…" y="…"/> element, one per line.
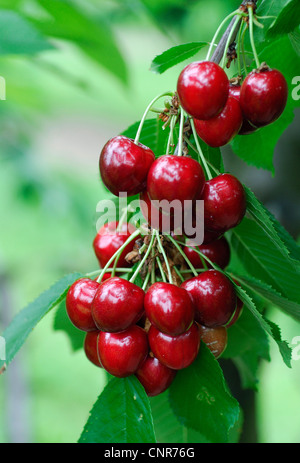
<point x="214" y="297"/>
<point x="224" y="203"/>
<point x="176" y="352"/>
<point x="218" y="252"/>
<point x="156" y="217"/>
<point x="173" y="178"/>
<point x="263" y="96"/>
<point x="154" y="376"/>
<point x="247" y="127"/>
<point x="221" y="129"/>
<point x="117" y="305"/>
<point x="215" y="338"/>
<point x="108" y="240"/>
<point x="122" y="354"/>
<point x="202" y="89"/>
<point x="91" y="347"/>
<point x="124" y="165"/>
<point x="169" y="308"/>
<point x="78" y="303"/>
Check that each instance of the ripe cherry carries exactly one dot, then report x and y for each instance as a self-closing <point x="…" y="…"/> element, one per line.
<point x="224" y="203"/>
<point x="117" y="304"/>
<point x="214" y="297"/>
<point x="91" y="347"/>
<point x="263" y="96"/>
<point x="122" y="353"/>
<point x="176" y="352"/>
<point x="155" y="376"/>
<point x="109" y="239"/>
<point x="247" y="127"/>
<point x="124" y="165"/>
<point x="221" y="129"/>
<point x="217" y="251"/>
<point x="173" y="178"/>
<point x="202" y="89"/>
<point x="157" y="218"/>
<point x="79" y="301"/>
<point x="215" y="338"/>
<point x="169" y="308"/>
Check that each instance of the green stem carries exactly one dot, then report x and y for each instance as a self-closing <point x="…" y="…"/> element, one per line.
<point x="250" y="9"/>
<point x="138" y="134"/>
<point x="161" y="269"/>
<point x="178" y="273"/>
<point x="243" y="48"/>
<point x="170" y="138"/>
<point x="183" y="254"/>
<point x="218" y="31"/>
<point x="198" y="252"/>
<point x="109" y="270"/>
<point x="143" y="259"/>
<point x="146" y="281"/>
<point x="180" y="141"/>
<point x="161" y="249"/>
<point x="200" y="152"/>
<point x="229" y="40"/>
<point x="153" y="267"/>
<point x="239" y="48"/>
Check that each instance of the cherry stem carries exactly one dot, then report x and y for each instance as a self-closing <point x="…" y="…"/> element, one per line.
<point x="146" y="281"/>
<point x="161" y="270"/>
<point x="200" y="254"/>
<point x="138" y="134"/>
<point x="180" y="140"/>
<point x="138" y="269"/>
<point x="250" y="9"/>
<point x="179" y="273"/>
<point x="162" y="251"/>
<point x="200" y="152"/>
<point x="183" y="254"/>
<point x="170" y="138"/>
<point x="116" y="254"/>
<point x="218" y="31"/>
<point x="109" y="270"/>
<point x="229" y="40"/>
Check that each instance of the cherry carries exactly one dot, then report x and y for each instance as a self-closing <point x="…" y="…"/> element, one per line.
<point x="124" y="165"/>
<point x="117" y="304"/>
<point x="263" y="96"/>
<point x="109" y="239"/>
<point x="221" y="129"/>
<point x="91" y="347"/>
<point x="122" y="353"/>
<point x="217" y="251"/>
<point x="202" y="89"/>
<point x="247" y="127"/>
<point x="176" y="352"/>
<point x="78" y="303"/>
<point x="169" y="308"/>
<point x="157" y="218"/>
<point x="155" y="376"/>
<point x="173" y="178"/>
<point x="215" y="338"/>
<point x="224" y="203"/>
<point x="214" y="297"/>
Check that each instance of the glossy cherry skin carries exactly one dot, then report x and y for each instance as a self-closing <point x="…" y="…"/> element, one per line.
<point x="175" y="178"/>
<point x="218" y="252"/>
<point x="214" y="298"/>
<point x="224" y="203"/>
<point x="124" y="165"/>
<point x="263" y="96"/>
<point x="202" y="89"/>
<point x="79" y="302"/>
<point x="247" y="128"/>
<point x="91" y="347"/>
<point x="176" y="352"/>
<point x="122" y="353"/>
<point x="169" y="308"/>
<point x="215" y="338"/>
<point x="155" y="376"/>
<point x="221" y="129"/>
<point x="117" y="305"/>
<point x="108" y="240"/>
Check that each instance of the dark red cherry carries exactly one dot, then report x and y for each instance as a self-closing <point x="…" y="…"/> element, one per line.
<point x="155" y="376"/>
<point x="109" y="239"/>
<point x="91" y="347"/>
<point x="79" y="301"/>
<point x="175" y="178"/>
<point x="122" y="353"/>
<point x="263" y="96"/>
<point x="215" y="338"/>
<point x="224" y="203"/>
<point x="117" y="304"/>
<point x="202" y="89"/>
<point x="157" y="218"/>
<point x="124" y="165"/>
<point x="221" y="129"/>
<point x="176" y="352"/>
<point x="218" y="252"/>
<point x="169" y="308"/>
<point x="214" y="297"/>
<point x="247" y="127"/>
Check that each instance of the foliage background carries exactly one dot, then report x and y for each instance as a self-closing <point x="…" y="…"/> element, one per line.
<point x="65" y="96"/>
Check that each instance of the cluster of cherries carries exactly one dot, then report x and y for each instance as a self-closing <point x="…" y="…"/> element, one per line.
<point x="154" y="331"/>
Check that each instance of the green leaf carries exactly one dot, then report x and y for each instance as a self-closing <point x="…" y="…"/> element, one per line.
<point x="200" y="399"/>
<point x="295" y="40"/>
<point x="21" y="326"/>
<point x="62" y="323"/>
<point x="288" y="18"/>
<point x="122" y="414"/>
<point x="175" y="55"/>
<point x="18" y="36"/>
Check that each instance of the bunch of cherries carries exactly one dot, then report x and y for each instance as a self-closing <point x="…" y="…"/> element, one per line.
<point x="155" y="330"/>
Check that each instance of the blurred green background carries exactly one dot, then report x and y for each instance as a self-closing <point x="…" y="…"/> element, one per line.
<point x="87" y="80"/>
